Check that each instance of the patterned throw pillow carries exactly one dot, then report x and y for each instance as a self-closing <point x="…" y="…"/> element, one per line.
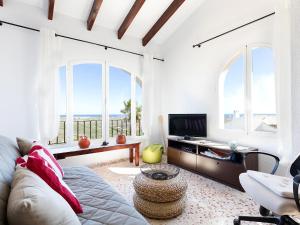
<point x="45" y="154"/>
<point x="41" y="162"/>
<point x="21" y="161"/>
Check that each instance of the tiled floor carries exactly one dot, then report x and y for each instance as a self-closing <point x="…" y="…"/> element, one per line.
<point x="208" y="202"/>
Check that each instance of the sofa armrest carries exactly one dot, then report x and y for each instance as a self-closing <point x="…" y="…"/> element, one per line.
<point x="296" y="182"/>
<point x="268" y="154"/>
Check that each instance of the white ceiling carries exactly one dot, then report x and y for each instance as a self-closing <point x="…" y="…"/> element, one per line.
<point x="112" y="13"/>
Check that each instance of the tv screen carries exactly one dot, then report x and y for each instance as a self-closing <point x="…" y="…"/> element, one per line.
<point x="192" y="125"/>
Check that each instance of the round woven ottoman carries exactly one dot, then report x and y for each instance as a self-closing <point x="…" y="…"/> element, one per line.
<point x="158" y="190"/>
<point x="159" y="199"/>
<point x="158" y="210"/>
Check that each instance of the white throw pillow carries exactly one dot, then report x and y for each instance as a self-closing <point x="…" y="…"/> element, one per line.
<point x="33" y="202"/>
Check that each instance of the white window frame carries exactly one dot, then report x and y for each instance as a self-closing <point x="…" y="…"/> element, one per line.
<point x="246" y="51"/>
<point x="222" y="77"/>
<point x="133" y="77"/>
<point x="105" y="99"/>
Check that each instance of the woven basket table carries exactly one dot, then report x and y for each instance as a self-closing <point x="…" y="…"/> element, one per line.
<point x="158" y="210"/>
<point x="159" y="199"/>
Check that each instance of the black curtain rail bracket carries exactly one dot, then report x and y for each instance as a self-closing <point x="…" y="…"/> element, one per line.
<point x="80" y="40"/>
<point x="236" y="28"/>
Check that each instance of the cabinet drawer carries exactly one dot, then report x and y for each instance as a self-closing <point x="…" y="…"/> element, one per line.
<point x="230" y="172"/>
<point x="226" y="171"/>
<point x="173" y="156"/>
<point x="188" y="160"/>
<point x="207" y="166"/>
<point x="183" y="159"/>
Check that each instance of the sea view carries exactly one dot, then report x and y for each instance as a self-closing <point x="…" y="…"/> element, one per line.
<point x="92" y="116"/>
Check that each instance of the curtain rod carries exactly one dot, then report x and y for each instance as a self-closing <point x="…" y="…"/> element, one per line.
<point x="80" y="40"/>
<point x="246" y="24"/>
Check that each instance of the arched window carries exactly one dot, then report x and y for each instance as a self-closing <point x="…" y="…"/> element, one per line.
<point x="98" y="104"/>
<point x="247" y="92"/>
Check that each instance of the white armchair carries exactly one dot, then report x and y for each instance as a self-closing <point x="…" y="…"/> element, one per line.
<point x="278" y="196"/>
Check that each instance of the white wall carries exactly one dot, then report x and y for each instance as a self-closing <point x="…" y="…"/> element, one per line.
<point x="190" y="75"/>
<point x="18" y="62"/>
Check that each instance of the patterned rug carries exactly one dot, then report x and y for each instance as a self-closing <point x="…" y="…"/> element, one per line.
<point x="208" y="202"/>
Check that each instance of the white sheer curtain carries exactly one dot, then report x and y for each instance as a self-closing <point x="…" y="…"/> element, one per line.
<point x="282" y="56"/>
<point x="295" y="72"/>
<point x="48" y="85"/>
<point x="148" y="97"/>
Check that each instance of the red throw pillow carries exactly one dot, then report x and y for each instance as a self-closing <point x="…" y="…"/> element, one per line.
<point x="44" y="153"/>
<point x="21" y="162"/>
<point x="40" y="166"/>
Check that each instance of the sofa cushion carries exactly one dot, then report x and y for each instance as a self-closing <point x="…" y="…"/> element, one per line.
<point x="33" y="202"/>
<point x="24" y="145"/>
<point x="4" y="193"/>
<point x="9" y="152"/>
<point x="43" y="168"/>
<point x="101" y="203"/>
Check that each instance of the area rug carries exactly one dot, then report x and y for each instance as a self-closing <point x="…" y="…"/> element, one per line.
<point x="208" y="202"/>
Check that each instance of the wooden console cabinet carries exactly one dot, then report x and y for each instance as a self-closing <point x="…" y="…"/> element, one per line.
<point x="212" y="159"/>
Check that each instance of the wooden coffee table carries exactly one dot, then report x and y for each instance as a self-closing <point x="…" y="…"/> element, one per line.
<point x="64" y="152"/>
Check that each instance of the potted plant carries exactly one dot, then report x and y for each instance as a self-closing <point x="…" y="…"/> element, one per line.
<point x="84" y="142"/>
<point x="121" y="138"/>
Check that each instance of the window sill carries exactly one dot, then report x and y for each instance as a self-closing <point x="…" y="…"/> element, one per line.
<point x="96" y="142"/>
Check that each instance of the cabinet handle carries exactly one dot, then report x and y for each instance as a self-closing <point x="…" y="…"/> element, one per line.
<point x="218" y="163"/>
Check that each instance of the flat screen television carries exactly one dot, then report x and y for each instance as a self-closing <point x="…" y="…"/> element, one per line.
<point x="188" y="125"/>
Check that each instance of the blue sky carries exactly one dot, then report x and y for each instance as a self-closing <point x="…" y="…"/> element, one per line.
<point x="234" y="87"/>
<point x="87" y="87"/>
<point x="119" y="89"/>
<point x="263" y="83"/>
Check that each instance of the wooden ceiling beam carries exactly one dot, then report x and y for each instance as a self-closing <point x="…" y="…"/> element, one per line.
<point x="162" y="20"/>
<point x="1" y="2"/>
<point x="93" y="14"/>
<point x="130" y="17"/>
<point x="51" y="9"/>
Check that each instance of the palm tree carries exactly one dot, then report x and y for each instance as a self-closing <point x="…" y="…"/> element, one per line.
<point x="127" y="110"/>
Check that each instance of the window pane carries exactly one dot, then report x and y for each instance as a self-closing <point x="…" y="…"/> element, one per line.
<point x="119" y="101"/>
<point x="138" y="97"/>
<point x="234" y="89"/>
<point x="263" y="91"/>
<point x="87" y="91"/>
<point x="62" y="95"/>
